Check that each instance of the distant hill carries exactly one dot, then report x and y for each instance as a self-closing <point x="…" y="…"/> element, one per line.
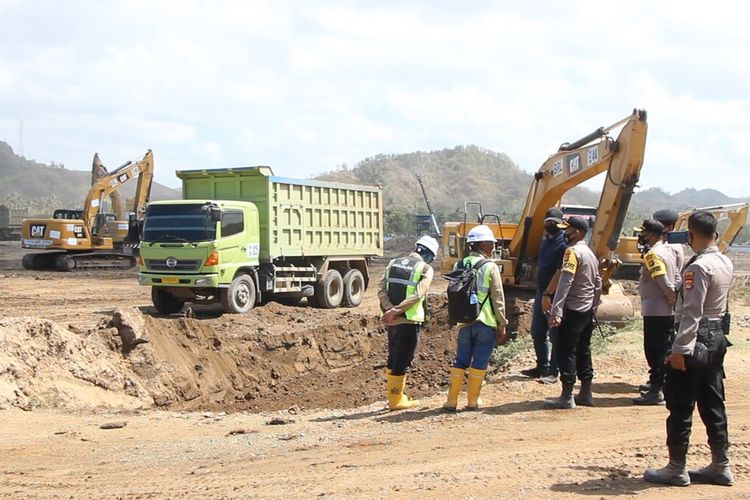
<point x="470" y="173"/>
<point x="43" y="188"/>
<point x="451" y="177"/>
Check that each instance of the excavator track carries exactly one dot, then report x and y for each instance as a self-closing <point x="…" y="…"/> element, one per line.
<point x="65" y="261"/>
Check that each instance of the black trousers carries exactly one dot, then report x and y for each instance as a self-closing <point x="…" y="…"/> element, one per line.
<point x="658" y="333"/>
<point x="402" y="343"/>
<point x="574" y="346"/>
<point x="682" y="391"/>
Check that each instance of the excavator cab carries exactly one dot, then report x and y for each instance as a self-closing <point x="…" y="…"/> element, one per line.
<point x="454" y="234"/>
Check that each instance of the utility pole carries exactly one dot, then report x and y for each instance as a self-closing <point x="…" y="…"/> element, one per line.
<point x="20" y="138"/>
<point x="429" y="208"/>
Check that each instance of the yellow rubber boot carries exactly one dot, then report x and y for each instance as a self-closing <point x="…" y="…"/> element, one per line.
<point x="397" y="400"/>
<point x="474" y="387"/>
<point x="457" y="380"/>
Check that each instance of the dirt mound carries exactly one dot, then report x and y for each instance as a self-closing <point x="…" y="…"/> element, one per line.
<point x="275" y="358"/>
<point x="45" y="365"/>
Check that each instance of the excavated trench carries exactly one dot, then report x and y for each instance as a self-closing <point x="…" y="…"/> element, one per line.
<point x="275" y="358"/>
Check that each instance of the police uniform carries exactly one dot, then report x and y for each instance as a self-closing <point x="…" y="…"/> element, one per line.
<point x="705" y="290"/>
<point x="404" y="286"/>
<point x="657" y="281"/>
<point x="577" y="296"/>
<point x="679" y="260"/>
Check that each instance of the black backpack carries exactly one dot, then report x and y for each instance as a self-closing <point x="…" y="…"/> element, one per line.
<point x="463" y="306"/>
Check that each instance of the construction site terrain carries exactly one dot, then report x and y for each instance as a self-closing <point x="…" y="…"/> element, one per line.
<point x="102" y="397"/>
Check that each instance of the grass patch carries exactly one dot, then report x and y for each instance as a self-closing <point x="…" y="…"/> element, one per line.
<point x="504" y="355"/>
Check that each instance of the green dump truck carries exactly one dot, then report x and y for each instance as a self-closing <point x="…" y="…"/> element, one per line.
<point x="242" y="236"/>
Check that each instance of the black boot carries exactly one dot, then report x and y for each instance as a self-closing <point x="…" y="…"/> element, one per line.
<point x="584" y="396"/>
<point x="535" y="372"/>
<point x="674" y="474"/>
<point x="718" y="471"/>
<point x="564" y="402"/>
<point x="645" y="387"/>
<point x="651" y="398"/>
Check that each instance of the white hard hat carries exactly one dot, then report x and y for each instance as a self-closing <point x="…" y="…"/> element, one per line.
<point x="480" y="233"/>
<point x="429" y="243"/>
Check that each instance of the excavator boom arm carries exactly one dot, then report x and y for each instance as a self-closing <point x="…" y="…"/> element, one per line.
<point x="576" y="163"/>
<point x="104" y="186"/>
<point x="736" y="213"/>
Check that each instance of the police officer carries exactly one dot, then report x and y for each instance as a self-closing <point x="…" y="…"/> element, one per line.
<point x="402" y="293"/>
<point x="668" y="219"/>
<point x="476" y="340"/>
<point x="549" y="262"/>
<point x="696" y="372"/>
<point x="573" y="306"/>
<point x="658" y="294"/>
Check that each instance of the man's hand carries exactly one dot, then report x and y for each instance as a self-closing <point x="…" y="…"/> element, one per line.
<point x="546" y="304"/>
<point x="390" y="316"/>
<point x="672" y="299"/>
<point x="502" y="335"/>
<point x="676" y="361"/>
<point x="554" y="321"/>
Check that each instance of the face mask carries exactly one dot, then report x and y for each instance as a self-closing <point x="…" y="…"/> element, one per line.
<point x="551" y="229"/>
<point x="427" y="257"/>
<point x="568" y="238"/>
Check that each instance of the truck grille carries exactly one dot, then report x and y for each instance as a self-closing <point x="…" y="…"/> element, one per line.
<point x="180" y="265"/>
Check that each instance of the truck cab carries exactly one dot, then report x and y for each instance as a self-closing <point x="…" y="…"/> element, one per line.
<point x="196" y="248"/>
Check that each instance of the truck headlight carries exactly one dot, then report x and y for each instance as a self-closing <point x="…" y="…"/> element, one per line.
<point x="203" y="281"/>
<point x="142" y="280"/>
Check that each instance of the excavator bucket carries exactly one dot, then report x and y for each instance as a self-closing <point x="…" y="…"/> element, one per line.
<point x="615" y="307"/>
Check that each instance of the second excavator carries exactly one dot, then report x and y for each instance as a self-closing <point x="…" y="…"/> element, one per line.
<point x="90" y="238"/>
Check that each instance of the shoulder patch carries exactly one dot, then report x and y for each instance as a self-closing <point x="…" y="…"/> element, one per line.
<point x="688" y="280"/>
<point x="570" y="261"/>
<point x="655" y="264"/>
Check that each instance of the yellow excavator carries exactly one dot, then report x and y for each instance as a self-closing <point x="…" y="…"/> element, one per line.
<point x="731" y="220"/>
<point x="731" y="217"/>
<point x="621" y="159"/>
<point x="90" y="238"/>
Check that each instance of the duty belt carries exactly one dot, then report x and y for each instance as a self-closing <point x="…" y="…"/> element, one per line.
<point x="711" y="324"/>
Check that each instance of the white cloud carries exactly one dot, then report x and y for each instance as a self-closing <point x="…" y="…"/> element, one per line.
<point x="306" y="86"/>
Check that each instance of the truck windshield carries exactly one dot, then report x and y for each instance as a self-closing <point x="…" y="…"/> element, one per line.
<point x="186" y="223"/>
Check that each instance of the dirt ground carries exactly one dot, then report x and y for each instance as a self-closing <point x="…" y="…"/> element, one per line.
<point x="287" y="401"/>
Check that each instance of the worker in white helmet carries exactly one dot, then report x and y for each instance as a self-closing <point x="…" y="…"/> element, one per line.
<point x="477" y="340"/>
<point x="402" y="293"/>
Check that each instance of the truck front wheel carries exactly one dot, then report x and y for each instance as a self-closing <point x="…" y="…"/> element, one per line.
<point x="239" y="298"/>
<point x="354" y="288"/>
<point x="165" y="302"/>
<point x="330" y="290"/>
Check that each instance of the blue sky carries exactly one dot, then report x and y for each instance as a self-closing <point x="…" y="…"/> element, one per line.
<point x="306" y="86"/>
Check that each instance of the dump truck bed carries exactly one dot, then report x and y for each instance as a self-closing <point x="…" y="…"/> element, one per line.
<point x="298" y="217"/>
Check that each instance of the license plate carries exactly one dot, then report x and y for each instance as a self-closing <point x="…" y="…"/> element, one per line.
<point x="170" y="281"/>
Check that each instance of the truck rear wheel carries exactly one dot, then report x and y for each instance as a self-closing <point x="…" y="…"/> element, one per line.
<point x="354" y="288"/>
<point x="330" y="290"/>
<point x="165" y="302"/>
<point x="239" y="298"/>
